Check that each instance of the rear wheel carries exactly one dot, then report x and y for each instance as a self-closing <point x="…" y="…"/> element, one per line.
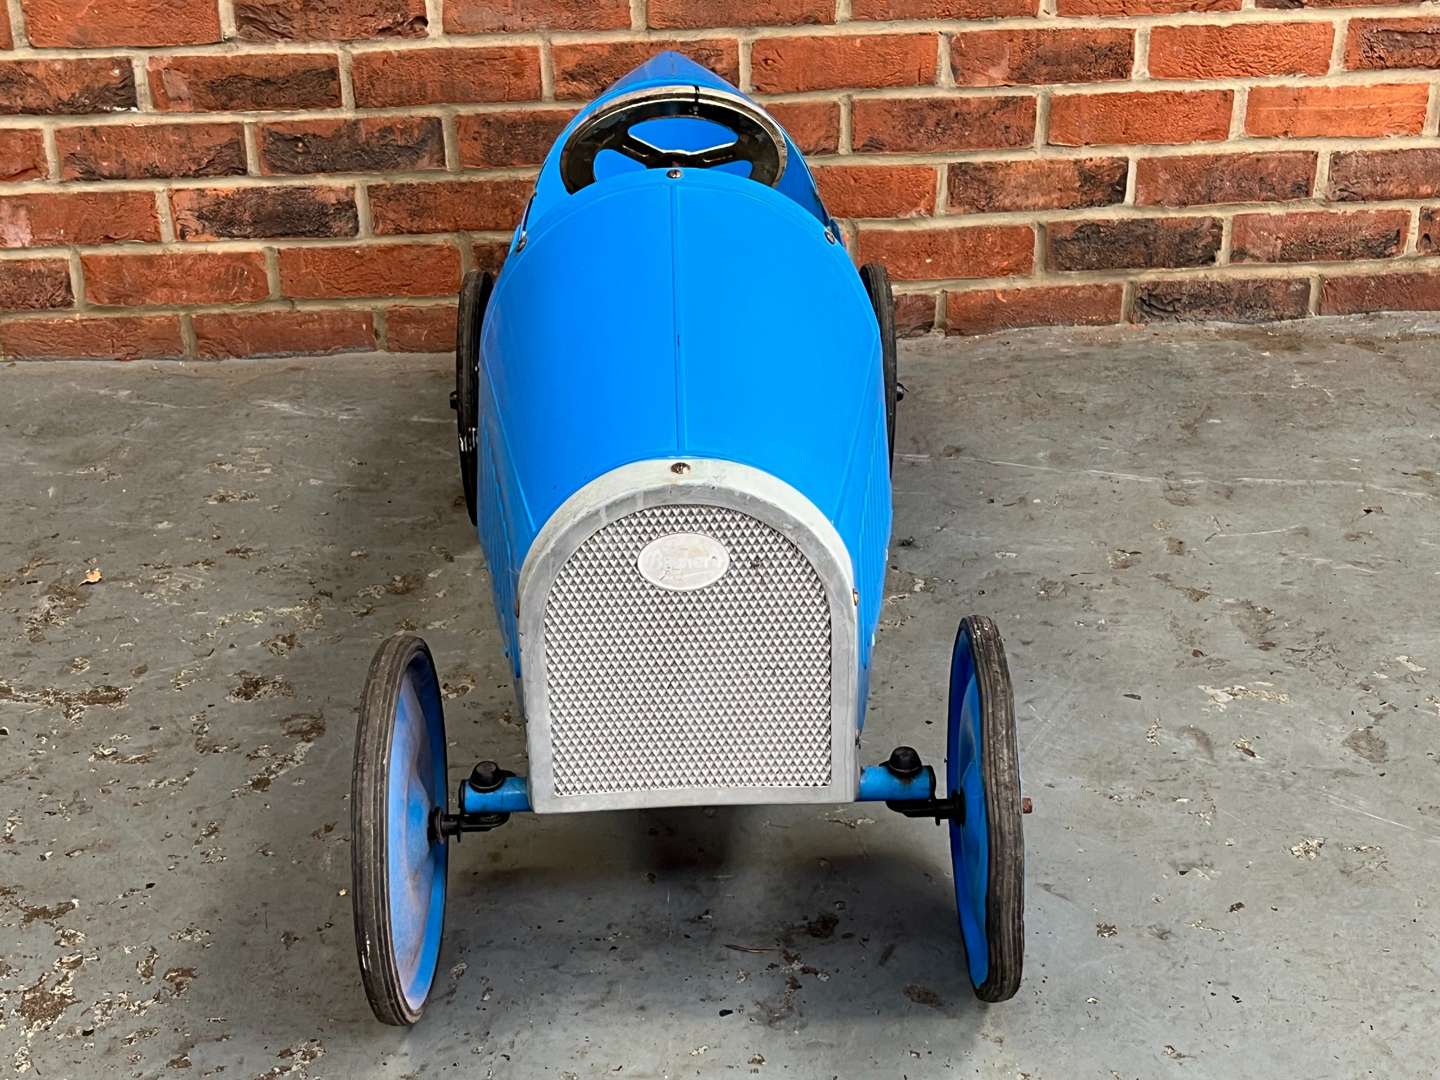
<point x="474" y="297"/>
<point x="882" y="299"/>
<point x="398" y="860"/>
<point x="987" y="848"/>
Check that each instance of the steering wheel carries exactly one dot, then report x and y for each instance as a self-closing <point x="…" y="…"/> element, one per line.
<point x="758" y="139"/>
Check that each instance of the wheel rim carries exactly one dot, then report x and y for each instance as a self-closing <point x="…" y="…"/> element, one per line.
<point x="415" y="859"/>
<point x="970" y="841"/>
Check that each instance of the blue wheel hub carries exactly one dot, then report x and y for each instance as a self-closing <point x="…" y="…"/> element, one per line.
<point x="970" y="837"/>
<point x="416" y="854"/>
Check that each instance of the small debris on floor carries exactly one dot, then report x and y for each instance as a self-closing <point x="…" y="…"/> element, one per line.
<point x="1308" y="848"/>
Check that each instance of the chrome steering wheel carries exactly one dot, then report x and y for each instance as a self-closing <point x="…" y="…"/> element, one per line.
<point x="758" y="140"/>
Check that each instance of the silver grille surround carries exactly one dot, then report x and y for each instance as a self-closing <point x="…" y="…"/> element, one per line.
<point x="722" y="686"/>
<point x="609" y="727"/>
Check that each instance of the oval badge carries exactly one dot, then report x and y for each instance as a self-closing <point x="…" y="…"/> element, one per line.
<point x="683" y="562"/>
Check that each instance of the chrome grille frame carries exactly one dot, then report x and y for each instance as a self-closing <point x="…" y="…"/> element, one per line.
<point x="706" y="483"/>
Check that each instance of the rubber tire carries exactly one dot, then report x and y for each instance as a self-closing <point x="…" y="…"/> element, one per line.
<point x="882" y="299"/>
<point x="374" y="939"/>
<point x="475" y="292"/>
<point x="1000" y="774"/>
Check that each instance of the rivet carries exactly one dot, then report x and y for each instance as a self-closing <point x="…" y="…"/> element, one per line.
<point x="680" y="468"/>
<point x="829" y="236"/>
<point x="520" y="244"/>
<point x="674" y="174"/>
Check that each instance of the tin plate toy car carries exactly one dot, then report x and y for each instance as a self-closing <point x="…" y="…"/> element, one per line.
<point x="676" y="411"/>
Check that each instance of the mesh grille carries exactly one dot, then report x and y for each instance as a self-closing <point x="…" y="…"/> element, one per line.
<point x="726" y="686"/>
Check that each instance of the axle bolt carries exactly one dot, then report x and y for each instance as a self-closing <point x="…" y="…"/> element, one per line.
<point x="485" y="776"/>
<point x="904" y="762"/>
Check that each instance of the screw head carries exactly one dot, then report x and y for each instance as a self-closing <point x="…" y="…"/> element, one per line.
<point x="904" y="761"/>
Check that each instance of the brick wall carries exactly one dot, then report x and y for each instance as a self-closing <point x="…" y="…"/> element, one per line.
<point x="214" y="178"/>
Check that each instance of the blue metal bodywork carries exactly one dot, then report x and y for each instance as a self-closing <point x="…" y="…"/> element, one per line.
<point x="651" y="315"/>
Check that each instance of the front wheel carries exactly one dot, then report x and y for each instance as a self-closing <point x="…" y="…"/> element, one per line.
<point x="987" y="847"/>
<point x="398" y="860"/>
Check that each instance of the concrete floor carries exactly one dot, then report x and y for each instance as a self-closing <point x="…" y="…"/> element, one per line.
<point x="1213" y="551"/>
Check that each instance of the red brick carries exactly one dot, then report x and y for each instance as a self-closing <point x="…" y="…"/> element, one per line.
<point x="70" y="87"/>
<point x="1427" y="240"/>
<point x="448" y="206"/>
<point x="1223" y="52"/>
<point x="282" y="333"/>
<point x="1167" y="116"/>
<point x="249" y="213"/>
<point x="814" y="125"/>
<point x="370" y="270"/>
<point x="983" y="311"/>
<point x="1365" y="175"/>
<point x="1352" y="294"/>
<point x="1232" y="300"/>
<point x="984" y="187"/>
<point x="877" y="191"/>
<point x="1317" y="111"/>
<point x="22" y="154"/>
<point x="583" y="70"/>
<point x="141" y="280"/>
<point x="369" y="144"/>
<point x="43" y="218"/>
<point x="1132" y="243"/>
<point x="1200" y="179"/>
<point x="1036" y="57"/>
<point x="935" y="254"/>
<point x="780" y="65"/>
<point x="141" y="151"/>
<point x="1393" y="43"/>
<point x="1141" y="7"/>
<point x="85" y="24"/>
<point x="329" y="20"/>
<point x="1319" y="236"/>
<point x="510" y="137"/>
<point x="29" y="284"/>
<point x="420" y="329"/>
<point x="914" y="314"/>
<point x="7" y="39"/>
<point x="490" y="16"/>
<point x="936" y="124"/>
<point x="221" y="81"/>
<point x="490" y="254"/>
<point x="942" y="9"/>
<point x="699" y="14"/>
<point x="105" y="338"/>
<point x="425" y="76"/>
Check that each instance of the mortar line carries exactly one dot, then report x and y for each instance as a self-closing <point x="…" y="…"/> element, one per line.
<point x="229" y="28"/>
<point x="189" y="343"/>
<point x="19" y="30"/>
<point x="347" y="82"/>
<point x="1341" y="29"/>
<point x="251" y="138"/>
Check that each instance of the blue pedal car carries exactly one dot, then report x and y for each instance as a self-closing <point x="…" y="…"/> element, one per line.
<point x="676" y="410"/>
